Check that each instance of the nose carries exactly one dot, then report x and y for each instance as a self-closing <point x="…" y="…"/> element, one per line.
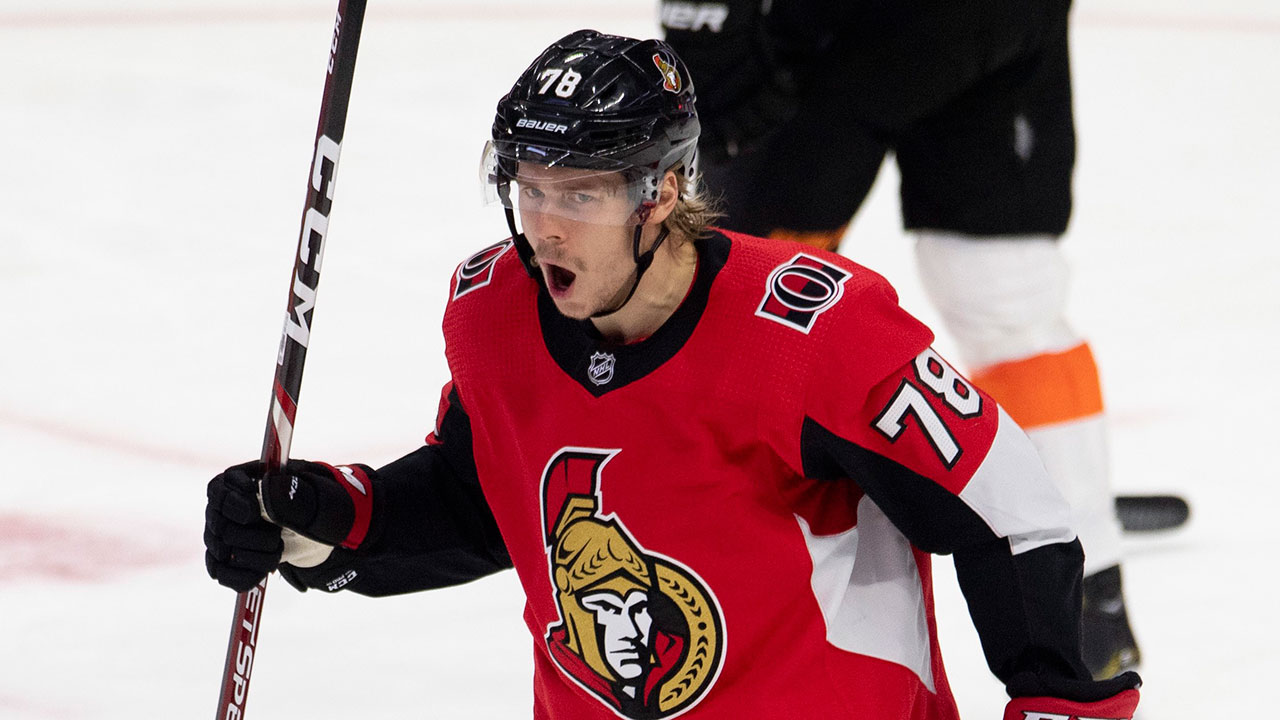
<point x="543" y="229"/>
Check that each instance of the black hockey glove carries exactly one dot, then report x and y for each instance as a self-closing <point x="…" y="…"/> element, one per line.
<point x="745" y="125"/>
<point x="747" y="64"/>
<point x="1048" y="697"/>
<point x="241" y="548"/>
<point x="331" y="505"/>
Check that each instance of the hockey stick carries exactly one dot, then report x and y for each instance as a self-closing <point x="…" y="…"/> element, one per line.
<point x="238" y="665"/>
<point x="1149" y="513"/>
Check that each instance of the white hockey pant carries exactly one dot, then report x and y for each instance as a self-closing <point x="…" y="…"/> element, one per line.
<point x="1003" y="300"/>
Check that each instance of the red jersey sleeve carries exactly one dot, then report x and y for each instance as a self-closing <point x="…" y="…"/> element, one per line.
<point x="952" y="472"/>
<point x="898" y="415"/>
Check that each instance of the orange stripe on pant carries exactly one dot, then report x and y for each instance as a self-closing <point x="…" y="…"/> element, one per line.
<point x="825" y="239"/>
<point x="1045" y="389"/>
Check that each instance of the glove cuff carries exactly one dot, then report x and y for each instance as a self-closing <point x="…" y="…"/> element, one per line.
<point x="1117" y="707"/>
<point x="355" y="480"/>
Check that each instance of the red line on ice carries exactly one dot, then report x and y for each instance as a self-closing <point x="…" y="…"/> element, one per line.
<point x="123" y="445"/>
<point x="64" y="549"/>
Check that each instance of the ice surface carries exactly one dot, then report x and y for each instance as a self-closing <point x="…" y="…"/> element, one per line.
<point x="152" y="175"/>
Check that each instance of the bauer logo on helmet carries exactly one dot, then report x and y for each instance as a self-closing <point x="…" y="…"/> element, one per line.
<point x="543" y="125"/>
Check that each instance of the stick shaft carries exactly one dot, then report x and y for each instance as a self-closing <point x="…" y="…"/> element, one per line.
<point x="296" y="335"/>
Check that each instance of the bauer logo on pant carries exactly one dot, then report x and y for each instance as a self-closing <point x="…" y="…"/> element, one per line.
<point x="638" y="631"/>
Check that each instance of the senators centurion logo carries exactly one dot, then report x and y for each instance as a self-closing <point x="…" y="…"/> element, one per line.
<point x="477" y="271"/>
<point x="800" y="290"/>
<point x="671" y="80"/>
<point x="638" y="631"/>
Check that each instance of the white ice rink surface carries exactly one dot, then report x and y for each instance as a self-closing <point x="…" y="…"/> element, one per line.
<point x="151" y="182"/>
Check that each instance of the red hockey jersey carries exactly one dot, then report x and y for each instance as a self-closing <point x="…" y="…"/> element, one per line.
<point x="733" y="518"/>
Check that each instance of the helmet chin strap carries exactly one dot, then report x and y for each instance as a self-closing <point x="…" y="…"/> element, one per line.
<point x="523" y="248"/>
<point x="642" y="260"/>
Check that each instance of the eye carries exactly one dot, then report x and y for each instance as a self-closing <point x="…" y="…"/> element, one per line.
<point x="530" y="192"/>
<point x="601" y="604"/>
<point x="581" y="198"/>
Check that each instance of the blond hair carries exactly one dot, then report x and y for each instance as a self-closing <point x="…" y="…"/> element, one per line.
<point x="694" y="212"/>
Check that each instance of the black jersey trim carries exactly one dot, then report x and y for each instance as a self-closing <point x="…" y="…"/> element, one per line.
<point x="572" y="343"/>
<point x="932" y="518"/>
<point x="1025" y="607"/>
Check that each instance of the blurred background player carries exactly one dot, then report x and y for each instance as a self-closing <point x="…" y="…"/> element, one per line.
<point x="974" y="101"/>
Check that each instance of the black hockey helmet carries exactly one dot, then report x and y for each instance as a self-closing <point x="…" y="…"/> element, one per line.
<point x="596" y="102"/>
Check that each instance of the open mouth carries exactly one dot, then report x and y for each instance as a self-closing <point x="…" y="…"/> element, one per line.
<point x="558" y="279"/>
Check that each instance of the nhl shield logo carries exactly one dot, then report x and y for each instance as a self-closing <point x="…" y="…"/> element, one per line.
<point x="600" y="371"/>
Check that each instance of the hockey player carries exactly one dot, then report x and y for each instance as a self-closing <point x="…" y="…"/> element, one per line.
<point x="717" y="463"/>
<point x="974" y="100"/>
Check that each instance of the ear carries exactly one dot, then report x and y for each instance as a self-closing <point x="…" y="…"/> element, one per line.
<point x="668" y="196"/>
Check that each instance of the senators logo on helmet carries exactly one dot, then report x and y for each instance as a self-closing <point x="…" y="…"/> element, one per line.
<point x="640" y="632"/>
<point x="671" y="80"/>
